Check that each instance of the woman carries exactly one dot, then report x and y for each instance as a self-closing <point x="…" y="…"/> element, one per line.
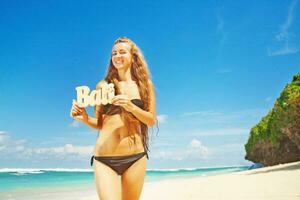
<point x="120" y="153"/>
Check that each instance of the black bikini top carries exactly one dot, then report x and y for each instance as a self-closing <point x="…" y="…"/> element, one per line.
<point x="117" y="109"/>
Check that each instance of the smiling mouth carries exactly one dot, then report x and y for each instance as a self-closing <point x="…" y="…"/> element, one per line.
<point x="119" y="62"/>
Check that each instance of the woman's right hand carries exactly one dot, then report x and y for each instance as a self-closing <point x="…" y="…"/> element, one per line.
<point x="78" y="113"/>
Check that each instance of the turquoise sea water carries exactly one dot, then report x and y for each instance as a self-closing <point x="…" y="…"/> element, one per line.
<point x="27" y="179"/>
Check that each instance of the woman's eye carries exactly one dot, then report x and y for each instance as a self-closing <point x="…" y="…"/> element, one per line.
<point x="121" y="52"/>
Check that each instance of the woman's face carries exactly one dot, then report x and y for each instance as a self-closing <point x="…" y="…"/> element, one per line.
<point x="121" y="56"/>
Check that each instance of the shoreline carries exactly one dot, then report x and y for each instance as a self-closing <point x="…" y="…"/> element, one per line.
<point x="279" y="182"/>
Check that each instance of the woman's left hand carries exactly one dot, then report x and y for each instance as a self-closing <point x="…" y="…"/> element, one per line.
<point x="124" y="101"/>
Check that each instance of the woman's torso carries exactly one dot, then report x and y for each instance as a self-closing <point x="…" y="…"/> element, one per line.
<point x="114" y="138"/>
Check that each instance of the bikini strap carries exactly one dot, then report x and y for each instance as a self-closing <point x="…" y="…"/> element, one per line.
<point x="92" y="159"/>
<point x="146" y="153"/>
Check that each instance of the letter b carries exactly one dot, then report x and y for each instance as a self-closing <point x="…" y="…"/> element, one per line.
<point x="83" y="98"/>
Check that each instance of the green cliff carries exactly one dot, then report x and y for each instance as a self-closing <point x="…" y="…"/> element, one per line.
<point x="276" y="138"/>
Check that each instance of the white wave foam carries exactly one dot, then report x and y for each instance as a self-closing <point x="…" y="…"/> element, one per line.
<point x="42" y="170"/>
<point x="31" y="172"/>
<point x="193" y="169"/>
<point x="172" y="170"/>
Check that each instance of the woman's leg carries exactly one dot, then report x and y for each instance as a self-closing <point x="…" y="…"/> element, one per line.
<point x="108" y="183"/>
<point x="133" y="180"/>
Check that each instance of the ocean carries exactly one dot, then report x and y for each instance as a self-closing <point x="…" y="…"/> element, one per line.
<point x="41" y="184"/>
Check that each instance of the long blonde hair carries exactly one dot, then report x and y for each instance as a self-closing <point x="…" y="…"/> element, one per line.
<point x="141" y="75"/>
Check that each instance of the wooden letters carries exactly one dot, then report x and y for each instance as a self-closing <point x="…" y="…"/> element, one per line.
<point x="102" y="96"/>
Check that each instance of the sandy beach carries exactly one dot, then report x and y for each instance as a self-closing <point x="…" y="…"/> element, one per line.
<point x="280" y="182"/>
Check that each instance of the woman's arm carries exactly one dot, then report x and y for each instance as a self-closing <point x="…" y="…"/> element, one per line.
<point x="147" y="117"/>
<point x="83" y="117"/>
<point x="91" y="122"/>
<point x="80" y="114"/>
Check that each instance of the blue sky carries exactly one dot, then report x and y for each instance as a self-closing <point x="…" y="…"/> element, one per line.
<point x="217" y="67"/>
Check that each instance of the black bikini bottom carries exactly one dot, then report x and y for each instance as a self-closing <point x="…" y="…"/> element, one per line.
<point x="119" y="163"/>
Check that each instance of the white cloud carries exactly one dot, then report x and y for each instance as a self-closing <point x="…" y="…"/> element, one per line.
<point x="195" y="149"/>
<point x="168" y="155"/>
<point x="19" y="148"/>
<point x="283" y="51"/>
<point x="267" y="99"/>
<point x="74" y="124"/>
<point x="62" y="150"/>
<point x="6" y="144"/>
<point x="55" y="152"/>
<point x="3" y="135"/>
<point x="284" y="36"/>
<point x="162" y="118"/>
<point x="160" y="143"/>
<point x="220" y="29"/>
<point x="195" y="143"/>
